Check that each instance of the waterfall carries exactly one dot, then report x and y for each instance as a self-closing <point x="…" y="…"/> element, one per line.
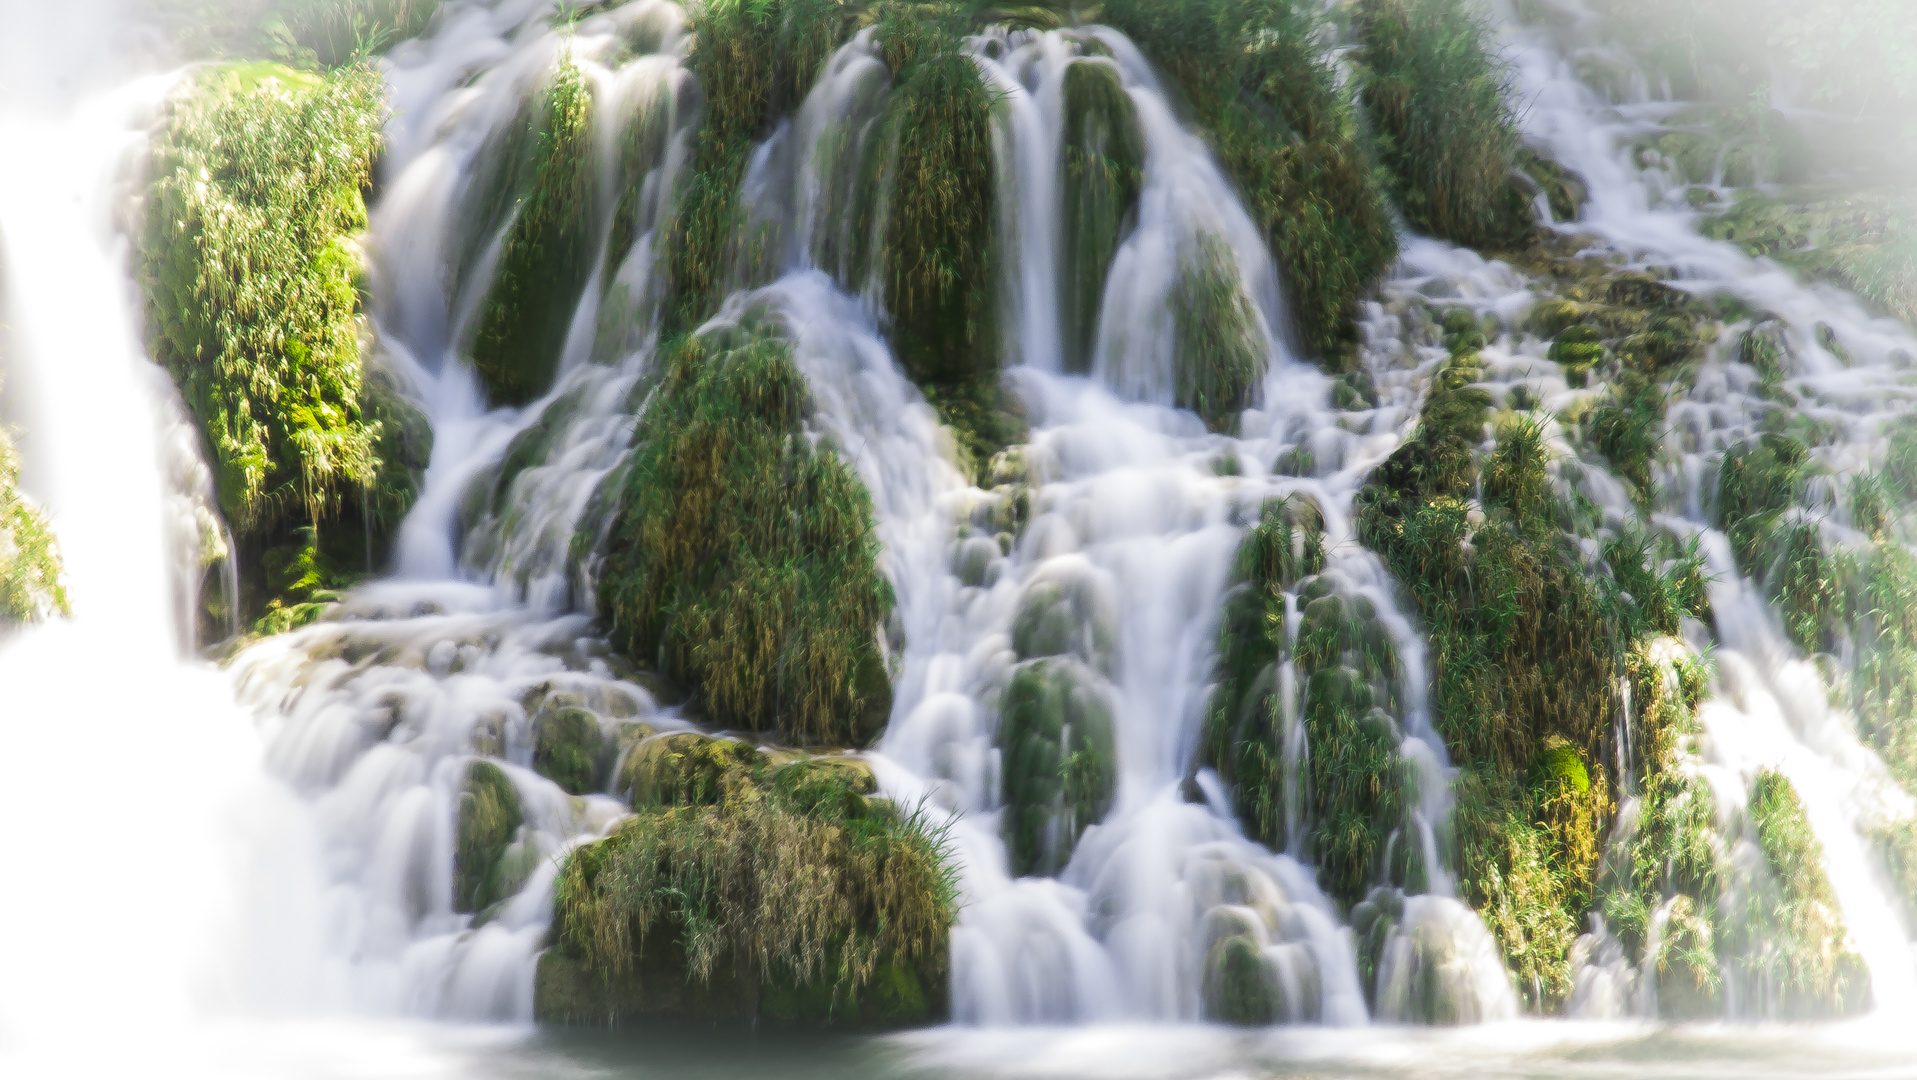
<point x="338" y="775"/>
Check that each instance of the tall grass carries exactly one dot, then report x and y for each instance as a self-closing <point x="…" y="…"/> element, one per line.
<point x="742" y="562"/>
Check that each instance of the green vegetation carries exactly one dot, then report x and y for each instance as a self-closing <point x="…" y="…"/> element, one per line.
<point x="485" y="831"/>
<point x="1798" y="949"/>
<point x="1443" y="120"/>
<point x="1258" y="85"/>
<point x="1355" y="786"/>
<point x="1219" y="348"/>
<point x="1060" y="764"/>
<point x="1104" y="171"/>
<point x="30" y="586"/>
<point x="549" y="245"/>
<point x="307" y="34"/>
<point x="782" y="891"/>
<point x="249" y="262"/>
<point x="755" y="60"/>
<point x="1861" y="240"/>
<point x="742" y="562"/>
<point x="1528" y="643"/>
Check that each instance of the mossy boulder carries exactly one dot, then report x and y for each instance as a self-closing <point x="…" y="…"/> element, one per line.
<point x="1069" y="608"/>
<point x="742" y="563"/>
<point x="1239" y="985"/>
<point x="548" y="247"/>
<point x="1059" y="761"/>
<point x="568" y="748"/>
<point x="485" y="830"/>
<point x="1104" y="169"/>
<point x="684" y="769"/>
<point x="798" y="897"/>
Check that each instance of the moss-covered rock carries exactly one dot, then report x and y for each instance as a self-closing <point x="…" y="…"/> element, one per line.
<point x="1259" y="84"/>
<point x="1059" y="761"/>
<point x="248" y="258"/>
<point x="1220" y="350"/>
<point x="1104" y="169"/>
<point x="1069" y="608"/>
<point x="742" y="563"/>
<point x="488" y="823"/>
<point x="684" y="769"/>
<point x="568" y="748"/>
<point x="548" y="248"/>
<point x="797" y="897"/>
<point x="30" y="585"/>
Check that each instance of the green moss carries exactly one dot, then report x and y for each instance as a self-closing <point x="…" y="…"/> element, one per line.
<point x="940" y="263"/>
<point x="568" y="747"/>
<point x="1864" y="240"/>
<point x="685" y="769"/>
<point x="548" y="248"/>
<point x="742" y="562"/>
<point x="1104" y="170"/>
<point x="1800" y="950"/>
<point x="1528" y="644"/>
<point x="1059" y="762"/>
<point x="799" y="901"/>
<point x="1577" y="349"/>
<point x="1219" y="350"/>
<point x="1442" y="120"/>
<point x="488" y="822"/>
<point x="248" y="261"/>
<point x="30" y="585"/>
<point x="1257" y="82"/>
<point x="754" y="60"/>
<point x="1237" y="989"/>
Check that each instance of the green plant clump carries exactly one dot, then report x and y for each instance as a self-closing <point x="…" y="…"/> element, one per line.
<point x="790" y="894"/>
<point x="1060" y="762"/>
<point x="306" y="34"/>
<point x="548" y="248"/>
<point x="30" y="586"/>
<point x="1800" y="953"/>
<point x="1104" y="171"/>
<point x="742" y="563"/>
<point x="1260" y="87"/>
<point x="1443" y="120"/>
<point x="1220" y="352"/>
<point x="248" y="258"/>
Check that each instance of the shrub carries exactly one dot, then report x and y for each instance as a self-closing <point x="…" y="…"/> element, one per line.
<point x="30" y="586"/>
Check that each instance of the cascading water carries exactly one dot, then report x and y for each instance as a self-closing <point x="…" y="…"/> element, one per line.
<point x="1128" y="507"/>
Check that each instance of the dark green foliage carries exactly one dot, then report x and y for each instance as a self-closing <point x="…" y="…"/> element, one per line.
<point x="489" y="819"/>
<point x="1756" y="486"/>
<point x="1104" y="170"/>
<point x="567" y="746"/>
<point x="30" y="587"/>
<point x="1060" y="763"/>
<point x="795" y="896"/>
<point x="1800" y="950"/>
<point x="1220" y="354"/>
<point x="249" y="265"/>
<point x="1258" y="84"/>
<point x="755" y="60"/>
<point x="939" y="246"/>
<point x="742" y="563"/>
<point x="548" y="248"/>
<point x="1442" y="119"/>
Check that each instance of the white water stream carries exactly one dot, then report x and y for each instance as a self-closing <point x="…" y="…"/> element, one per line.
<point x="308" y="868"/>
